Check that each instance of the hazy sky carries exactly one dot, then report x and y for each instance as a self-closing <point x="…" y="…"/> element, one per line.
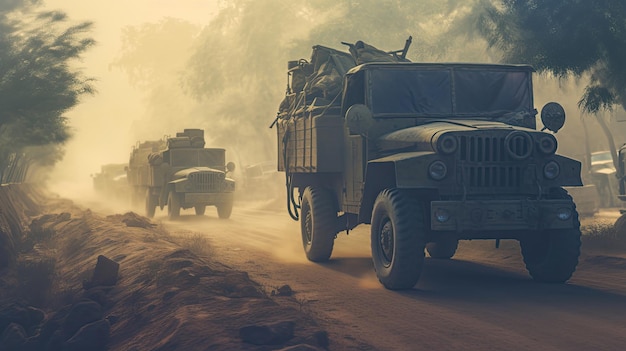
<point x="102" y="122"/>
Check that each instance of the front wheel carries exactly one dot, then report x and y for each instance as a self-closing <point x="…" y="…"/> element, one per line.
<point x="551" y="256"/>
<point x="151" y="204"/>
<point x="225" y="208"/>
<point x="398" y="234"/>
<point x="173" y="205"/>
<point x="317" y="223"/>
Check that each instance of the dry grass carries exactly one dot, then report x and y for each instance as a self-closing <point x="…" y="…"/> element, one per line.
<point x="603" y="236"/>
<point x="197" y="243"/>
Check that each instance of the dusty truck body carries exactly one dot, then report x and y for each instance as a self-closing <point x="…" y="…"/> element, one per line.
<point x="180" y="173"/>
<point x="427" y="154"/>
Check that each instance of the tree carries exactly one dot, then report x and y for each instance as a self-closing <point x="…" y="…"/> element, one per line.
<point x="567" y="38"/>
<point x="37" y="82"/>
<point x="237" y="71"/>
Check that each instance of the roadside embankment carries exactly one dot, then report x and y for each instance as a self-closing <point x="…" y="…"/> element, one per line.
<point x="73" y="279"/>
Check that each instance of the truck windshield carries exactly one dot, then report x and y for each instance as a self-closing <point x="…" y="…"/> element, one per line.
<point x="188" y="157"/>
<point x="449" y="91"/>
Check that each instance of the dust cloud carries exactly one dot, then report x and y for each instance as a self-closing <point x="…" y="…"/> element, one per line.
<point x="103" y="124"/>
<point x="162" y="66"/>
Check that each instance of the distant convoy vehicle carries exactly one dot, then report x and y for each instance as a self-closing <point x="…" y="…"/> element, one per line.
<point x="179" y="173"/>
<point x="111" y="181"/>
<point x="603" y="175"/>
<point x="428" y="154"/>
<point x="261" y="180"/>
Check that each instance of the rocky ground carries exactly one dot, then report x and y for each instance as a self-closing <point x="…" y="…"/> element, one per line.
<point x="71" y="279"/>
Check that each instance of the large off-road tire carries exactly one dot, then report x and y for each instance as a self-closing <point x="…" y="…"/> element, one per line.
<point x="200" y="209"/>
<point x="151" y="204"/>
<point x="173" y="205"/>
<point x="398" y="234"/>
<point x="551" y="256"/>
<point x="443" y="249"/>
<point x="620" y="226"/>
<point x="225" y="208"/>
<point x="318" y="218"/>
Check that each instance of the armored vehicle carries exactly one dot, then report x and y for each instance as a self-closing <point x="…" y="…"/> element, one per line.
<point x="180" y="173"/>
<point x="427" y="154"/>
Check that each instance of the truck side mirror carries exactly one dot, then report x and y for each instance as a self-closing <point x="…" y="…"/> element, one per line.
<point x="359" y="119"/>
<point x="553" y="116"/>
<point x="230" y="166"/>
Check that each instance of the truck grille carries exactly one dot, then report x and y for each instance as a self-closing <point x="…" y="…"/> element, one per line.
<point x="481" y="149"/>
<point x="494" y="161"/>
<point x="206" y="181"/>
<point x="511" y="147"/>
<point x="492" y="176"/>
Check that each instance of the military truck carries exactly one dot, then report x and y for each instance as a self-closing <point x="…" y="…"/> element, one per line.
<point x="180" y="173"/>
<point x="427" y="154"/>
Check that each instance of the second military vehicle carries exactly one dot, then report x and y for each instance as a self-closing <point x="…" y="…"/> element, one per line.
<point x="111" y="180"/>
<point x="180" y="173"/>
<point x="428" y="154"/>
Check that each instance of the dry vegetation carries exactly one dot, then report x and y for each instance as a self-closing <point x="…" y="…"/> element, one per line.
<point x="603" y="237"/>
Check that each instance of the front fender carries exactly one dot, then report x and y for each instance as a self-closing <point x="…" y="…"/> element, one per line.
<point x="408" y="170"/>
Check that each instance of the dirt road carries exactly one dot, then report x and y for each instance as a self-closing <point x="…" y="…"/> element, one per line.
<point x="482" y="299"/>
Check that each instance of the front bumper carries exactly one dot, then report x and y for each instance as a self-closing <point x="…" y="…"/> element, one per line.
<point x="192" y="199"/>
<point x="494" y="215"/>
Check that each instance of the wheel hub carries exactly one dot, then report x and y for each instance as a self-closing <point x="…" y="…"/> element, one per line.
<point x="308" y="226"/>
<point x="386" y="242"/>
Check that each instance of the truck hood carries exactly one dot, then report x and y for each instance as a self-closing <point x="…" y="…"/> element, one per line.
<point x="424" y="137"/>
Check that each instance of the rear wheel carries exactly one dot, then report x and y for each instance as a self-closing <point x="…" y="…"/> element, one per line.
<point x="200" y="209"/>
<point x="397" y="238"/>
<point x="551" y="256"/>
<point x="151" y="204"/>
<point x="442" y="249"/>
<point x="173" y="205"/>
<point x="225" y="208"/>
<point x="318" y="217"/>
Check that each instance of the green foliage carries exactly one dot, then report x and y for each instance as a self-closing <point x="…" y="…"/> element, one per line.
<point x="37" y="81"/>
<point x="567" y="37"/>
<point x="237" y="71"/>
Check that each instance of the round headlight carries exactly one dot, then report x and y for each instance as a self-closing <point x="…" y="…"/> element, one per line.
<point x="547" y="144"/>
<point x="437" y="170"/>
<point x="447" y="144"/>
<point x="551" y="170"/>
<point x="564" y="213"/>
<point x="442" y="215"/>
